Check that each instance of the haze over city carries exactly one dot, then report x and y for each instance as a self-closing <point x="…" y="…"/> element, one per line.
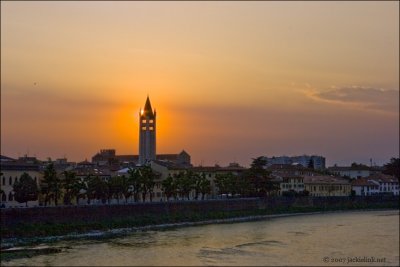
<point x="230" y="80"/>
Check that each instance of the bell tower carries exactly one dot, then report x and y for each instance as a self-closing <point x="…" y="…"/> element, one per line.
<point x="147" y="133"/>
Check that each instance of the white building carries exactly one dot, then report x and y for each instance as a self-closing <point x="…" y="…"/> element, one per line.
<point x="354" y="172"/>
<point x="11" y="171"/>
<point x="387" y="184"/>
<point x="314" y="162"/>
<point x="365" y="187"/>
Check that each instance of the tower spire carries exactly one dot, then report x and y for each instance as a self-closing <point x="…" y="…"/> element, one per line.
<point x="147" y="133"/>
<point x="148" y="111"/>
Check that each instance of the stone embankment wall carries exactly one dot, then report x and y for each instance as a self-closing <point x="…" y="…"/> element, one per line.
<point x="93" y="213"/>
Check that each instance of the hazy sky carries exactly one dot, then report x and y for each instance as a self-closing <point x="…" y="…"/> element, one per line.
<point x="230" y="80"/>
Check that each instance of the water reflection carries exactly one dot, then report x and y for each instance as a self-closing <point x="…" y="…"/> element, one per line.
<point x="300" y="240"/>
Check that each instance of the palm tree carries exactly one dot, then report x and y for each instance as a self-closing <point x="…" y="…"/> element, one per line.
<point x="80" y="185"/>
<point x="70" y="186"/>
<point x="52" y="185"/>
<point x="97" y="189"/>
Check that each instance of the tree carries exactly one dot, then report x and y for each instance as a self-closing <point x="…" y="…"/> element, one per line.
<point x="260" y="178"/>
<point x="97" y="189"/>
<point x="115" y="187"/>
<point x="25" y="189"/>
<point x="225" y="183"/>
<point x="147" y="177"/>
<point x="393" y="167"/>
<point x="51" y="185"/>
<point x="185" y="183"/>
<point x="203" y="186"/>
<point x="242" y="185"/>
<point x="80" y="185"/>
<point x="169" y="187"/>
<point x="71" y="186"/>
<point x="135" y="181"/>
<point x="126" y="187"/>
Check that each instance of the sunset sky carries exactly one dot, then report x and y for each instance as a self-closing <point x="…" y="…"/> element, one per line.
<point x="230" y="80"/>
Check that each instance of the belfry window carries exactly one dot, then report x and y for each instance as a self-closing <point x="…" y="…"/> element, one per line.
<point x="151" y="128"/>
<point x="143" y="121"/>
<point x="151" y="121"/>
<point x="144" y="128"/>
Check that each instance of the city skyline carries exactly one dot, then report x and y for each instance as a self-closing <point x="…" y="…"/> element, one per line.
<point x="230" y="80"/>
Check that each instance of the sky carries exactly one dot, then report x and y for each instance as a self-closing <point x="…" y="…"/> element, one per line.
<point x="230" y="81"/>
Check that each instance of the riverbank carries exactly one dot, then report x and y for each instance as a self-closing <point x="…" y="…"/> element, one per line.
<point x="33" y="224"/>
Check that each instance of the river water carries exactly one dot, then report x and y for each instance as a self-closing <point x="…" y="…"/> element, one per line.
<point x="330" y="239"/>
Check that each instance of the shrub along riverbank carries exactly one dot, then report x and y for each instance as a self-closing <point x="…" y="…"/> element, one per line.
<point x="55" y="221"/>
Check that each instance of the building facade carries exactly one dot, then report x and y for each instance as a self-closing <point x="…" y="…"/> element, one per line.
<point x="365" y="187"/>
<point x="353" y="172"/>
<point x="327" y="186"/>
<point x="11" y="171"/>
<point x="313" y="162"/>
<point x="147" y="133"/>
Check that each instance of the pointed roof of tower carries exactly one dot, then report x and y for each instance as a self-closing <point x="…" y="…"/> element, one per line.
<point x="148" y="111"/>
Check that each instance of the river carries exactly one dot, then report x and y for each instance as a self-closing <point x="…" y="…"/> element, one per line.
<point x="364" y="238"/>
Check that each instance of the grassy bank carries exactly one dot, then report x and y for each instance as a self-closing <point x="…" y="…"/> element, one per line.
<point x="32" y="230"/>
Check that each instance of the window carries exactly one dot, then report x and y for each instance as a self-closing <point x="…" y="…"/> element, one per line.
<point x="151" y="121"/>
<point x="10" y="197"/>
<point x="16" y="179"/>
<point x="144" y="128"/>
<point x="158" y="194"/>
<point x="3" y="197"/>
<point x="151" y="128"/>
<point x="35" y="179"/>
<point x="10" y="181"/>
<point x="143" y="121"/>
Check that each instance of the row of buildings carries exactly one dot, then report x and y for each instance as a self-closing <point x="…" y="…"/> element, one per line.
<point x="297" y="174"/>
<point x="291" y="179"/>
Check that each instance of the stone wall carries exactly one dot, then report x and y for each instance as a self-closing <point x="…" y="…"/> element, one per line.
<point x="93" y="213"/>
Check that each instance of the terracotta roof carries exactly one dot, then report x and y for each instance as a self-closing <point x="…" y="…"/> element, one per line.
<point x="324" y="179"/>
<point x="169" y="165"/>
<point x="380" y="177"/>
<point x="363" y="182"/>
